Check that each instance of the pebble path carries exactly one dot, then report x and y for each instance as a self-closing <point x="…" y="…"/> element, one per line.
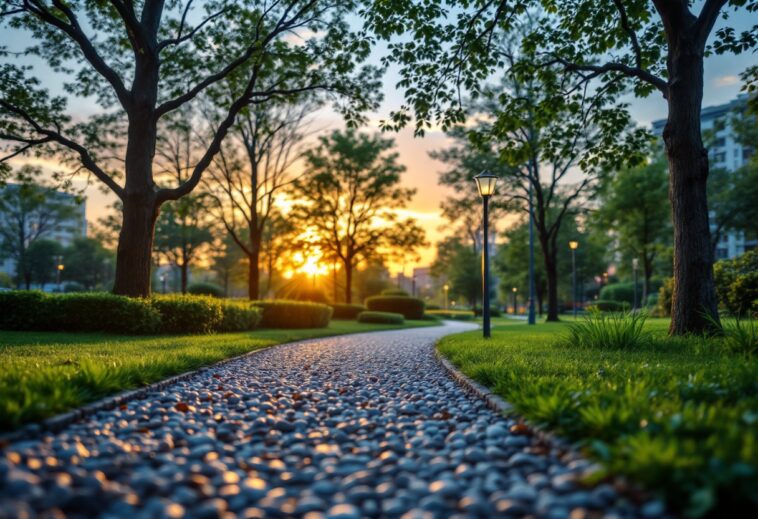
<point x="365" y="425"/>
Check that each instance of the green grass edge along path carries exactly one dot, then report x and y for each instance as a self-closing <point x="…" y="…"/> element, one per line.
<point x="677" y="416"/>
<point x="47" y="373"/>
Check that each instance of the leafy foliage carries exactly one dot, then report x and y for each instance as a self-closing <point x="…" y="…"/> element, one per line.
<point x="409" y="307"/>
<point x="294" y="314"/>
<point x="238" y="317"/>
<point x="380" y="317"/>
<point x="604" y="331"/>
<point x="205" y="289"/>
<point x="188" y="314"/>
<point x="737" y="283"/>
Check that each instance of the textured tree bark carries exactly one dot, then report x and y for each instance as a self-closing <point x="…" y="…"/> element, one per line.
<point x="254" y="274"/>
<point x="348" y="282"/>
<point x="694" y="306"/>
<point x="551" y="271"/>
<point x="135" y="245"/>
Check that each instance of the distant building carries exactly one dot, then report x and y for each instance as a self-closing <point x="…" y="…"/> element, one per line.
<point x="65" y="232"/>
<point x="727" y="153"/>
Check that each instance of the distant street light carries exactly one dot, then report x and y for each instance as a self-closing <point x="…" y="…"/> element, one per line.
<point x="58" y="271"/>
<point x="446" y="288"/>
<point x="635" y="266"/>
<point x="485" y="183"/>
<point x="573" y="245"/>
<point x="515" y="310"/>
<point x="164" y="280"/>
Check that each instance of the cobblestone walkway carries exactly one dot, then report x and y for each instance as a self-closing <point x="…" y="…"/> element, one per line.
<point x="364" y="425"/>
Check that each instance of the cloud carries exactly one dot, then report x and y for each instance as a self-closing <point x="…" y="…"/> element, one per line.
<point x="728" y="80"/>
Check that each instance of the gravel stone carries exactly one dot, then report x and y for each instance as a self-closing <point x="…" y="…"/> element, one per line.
<point x="367" y="425"/>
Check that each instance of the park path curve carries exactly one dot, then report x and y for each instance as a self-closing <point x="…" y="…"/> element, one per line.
<point x="366" y="425"/>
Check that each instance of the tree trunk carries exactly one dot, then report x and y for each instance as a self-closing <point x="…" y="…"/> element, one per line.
<point x="348" y="283"/>
<point x="551" y="271"/>
<point x="135" y="245"/>
<point x="694" y="308"/>
<point x="253" y="268"/>
<point x="184" y="274"/>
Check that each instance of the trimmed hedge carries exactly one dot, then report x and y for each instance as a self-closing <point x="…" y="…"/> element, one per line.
<point x="103" y="312"/>
<point x="78" y="312"/>
<point x="239" y="317"/>
<point x="346" y="311"/>
<point x="205" y="289"/>
<point x="381" y="318"/>
<point x="457" y="315"/>
<point x="294" y="314"/>
<point x="188" y="314"/>
<point x="395" y="292"/>
<point x="609" y="306"/>
<point x="409" y="307"/>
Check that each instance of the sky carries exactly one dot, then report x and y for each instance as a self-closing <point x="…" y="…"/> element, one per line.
<point x="721" y="85"/>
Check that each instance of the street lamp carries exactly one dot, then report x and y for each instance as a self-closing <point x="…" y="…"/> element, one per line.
<point x="164" y="279"/>
<point x="58" y="271"/>
<point x="635" y="266"/>
<point x="485" y="183"/>
<point x="514" y="290"/>
<point x="446" y="289"/>
<point x="573" y="245"/>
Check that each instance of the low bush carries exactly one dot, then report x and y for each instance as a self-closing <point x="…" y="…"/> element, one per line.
<point x="306" y="293"/>
<point x="188" y="314"/>
<point x="608" y="306"/>
<point x="380" y="317"/>
<point x="346" y="311"/>
<point x="741" y="337"/>
<point x="239" y="316"/>
<point x="457" y="315"/>
<point x="23" y="310"/>
<point x="665" y="298"/>
<point x="293" y="314"/>
<point x="494" y="312"/>
<point x="603" y="331"/>
<point x="205" y="289"/>
<point x="395" y="292"/>
<point x="76" y="312"/>
<point x="737" y="283"/>
<point x="409" y="307"/>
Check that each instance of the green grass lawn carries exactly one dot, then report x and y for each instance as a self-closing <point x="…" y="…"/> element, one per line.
<point x="679" y="416"/>
<point x="44" y="374"/>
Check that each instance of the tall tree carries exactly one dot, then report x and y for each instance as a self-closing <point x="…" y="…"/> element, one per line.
<point x="30" y="209"/>
<point x="457" y="262"/>
<point x="88" y="263"/>
<point x="144" y="60"/>
<point x="41" y="261"/>
<point x="226" y="262"/>
<point x="182" y="230"/>
<point x="252" y="170"/>
<point x="647" y="46"/>
<point x="634" y="207"/>
<point x="349" y="196"/>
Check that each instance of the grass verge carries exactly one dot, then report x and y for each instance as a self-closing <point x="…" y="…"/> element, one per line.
<point x="45" y="373"/>
<point x="679" y="416"/>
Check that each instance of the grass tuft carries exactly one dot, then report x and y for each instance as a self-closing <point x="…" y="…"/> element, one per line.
<point x="609" y="331"/>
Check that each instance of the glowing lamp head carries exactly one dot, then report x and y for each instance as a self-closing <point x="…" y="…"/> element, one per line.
<point x="485" y="183"/>
<point x="514" y="289"/>
<point x="573" y="245"/>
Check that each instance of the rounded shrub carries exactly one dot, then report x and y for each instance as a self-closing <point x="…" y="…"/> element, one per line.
<point x="380" y="317"/>
<point x="314" y="295"/>
<point x="394" y="292"/>
<point x="188" y="314"/>
<point x="346" y="311"/>
<point x="409" y="307"/>
<point x="239" y="316"/>
<point x="609" y="306"/>
<point x="205" y="289"/>
<point x="293" y="314"/>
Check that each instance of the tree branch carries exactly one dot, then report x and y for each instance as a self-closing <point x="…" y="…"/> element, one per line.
<point x="708" y="16"/>
<point x="632" y="35"/>
<point x="639" y="73"/>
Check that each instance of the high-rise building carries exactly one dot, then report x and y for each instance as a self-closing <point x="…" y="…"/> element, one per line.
<point x="725" y="152"/>
<point x="64" y="232"/>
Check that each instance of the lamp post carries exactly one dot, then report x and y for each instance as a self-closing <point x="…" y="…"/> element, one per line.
<point x="58" y="271"/>
<point x="485" y="183"/>
<point x="164" y="279"/>
<point x="531" y="319"/>
<point x="573" y="245"/>
<point x="446" y="288"/>
<point x="635" y="266"/>
<point x="515" y="310"/>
